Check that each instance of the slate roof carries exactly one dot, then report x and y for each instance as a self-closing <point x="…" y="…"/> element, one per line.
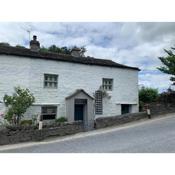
<point x="77" y="92"/>
<point x="24" y="52"/>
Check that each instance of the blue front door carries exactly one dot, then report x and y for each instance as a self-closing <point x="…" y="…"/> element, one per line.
<point x="79" y="111"/>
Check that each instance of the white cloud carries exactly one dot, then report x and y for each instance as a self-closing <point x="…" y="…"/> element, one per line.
<point x="160" y="81"/>
<point x="101" y="52"/>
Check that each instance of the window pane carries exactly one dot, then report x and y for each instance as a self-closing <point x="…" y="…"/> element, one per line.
<point x="55" y="85"/>
<point x="46" y="77"/>
<point x="55" y="78"/>
<point x="45" y="84"/>
<point x="44" y="110"/>
<point x="52" y="78"/>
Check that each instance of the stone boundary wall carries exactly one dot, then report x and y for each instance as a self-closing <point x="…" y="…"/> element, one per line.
<point x="120" y="119"/>
<point x="161" y="108"/>
<point x="16" y="135"/>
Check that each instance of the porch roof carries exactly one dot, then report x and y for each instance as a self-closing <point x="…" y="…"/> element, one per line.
<point x="77" y="92"/>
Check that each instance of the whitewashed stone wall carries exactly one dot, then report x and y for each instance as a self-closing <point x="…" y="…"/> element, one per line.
<point x="29" y="73"/>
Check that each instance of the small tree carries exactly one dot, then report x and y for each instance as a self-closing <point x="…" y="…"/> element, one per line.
<point x="168" y="64"/>
<point x="62" y="50"/>
<point x="4" y="44"/>
<point x="19" y="46"/>
<point x="18" y="104"/>
<point x="56" y="49"/>
<point x="147" y="95"/>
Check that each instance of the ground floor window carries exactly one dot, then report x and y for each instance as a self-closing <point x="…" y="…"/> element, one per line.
<point x="125" y="108"/>
<point x="48" y="112"/>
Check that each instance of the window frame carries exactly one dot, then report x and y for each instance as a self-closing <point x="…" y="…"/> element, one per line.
<point x="46" y="114"/>
<point x="104" y="85"/>
<point x="50" y="81"/>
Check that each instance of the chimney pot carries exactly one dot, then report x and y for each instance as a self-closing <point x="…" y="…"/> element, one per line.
<point x="34" y="37"/>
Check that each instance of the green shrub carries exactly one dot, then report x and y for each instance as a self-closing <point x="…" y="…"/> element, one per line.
<point x="141" y="106"/>
<point x="148" y="95"/>
<point x="4" y="44"/>
<point x="19" y="46"/>
<point x="26" y="122"/>
<point x="17" y="104"/>
<point x="61" y="120"/>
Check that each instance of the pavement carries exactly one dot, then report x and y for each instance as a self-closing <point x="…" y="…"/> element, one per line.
<point x="146" y="136"/>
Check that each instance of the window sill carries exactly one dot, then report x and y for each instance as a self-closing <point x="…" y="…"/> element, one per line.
<point x="50" y="88"/>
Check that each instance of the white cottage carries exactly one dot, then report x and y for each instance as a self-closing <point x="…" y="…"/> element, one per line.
<point x="72" y="86"/>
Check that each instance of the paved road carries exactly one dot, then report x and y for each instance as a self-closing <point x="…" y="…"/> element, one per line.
<point x="152" y="136"/>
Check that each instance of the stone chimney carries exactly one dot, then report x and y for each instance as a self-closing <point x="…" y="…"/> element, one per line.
<point x="34" y="44"/>
<point x="77" y="52"/>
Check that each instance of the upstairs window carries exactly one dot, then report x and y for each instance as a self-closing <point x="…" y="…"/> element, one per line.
<point x="107" y="84"/>
<point x="48" y="112"/>
<point x="50" y="81"/>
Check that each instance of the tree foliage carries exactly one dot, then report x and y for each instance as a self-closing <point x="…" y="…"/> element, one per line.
<point x="4" y="44"/>
<point x="168" y="64"/>
<point x="62" y="50"/>
<point x="19" y="46"/>
<point x="56" y="49"/>
<point x="148" y="95"/>
<point x="18" y="104"/>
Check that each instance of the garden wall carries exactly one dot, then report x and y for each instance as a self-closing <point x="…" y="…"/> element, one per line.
<point x="155" y="108"/>
<point x="119" y="119"/>
<point x="161" y="108"/>
<point x="13" y="135"/>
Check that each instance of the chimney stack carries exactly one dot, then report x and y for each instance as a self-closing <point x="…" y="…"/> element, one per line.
<point x="34" y="44"/>
<point x="77" y="52"/>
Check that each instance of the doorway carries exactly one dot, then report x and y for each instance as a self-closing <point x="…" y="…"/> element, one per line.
<point x="79" y="112"/>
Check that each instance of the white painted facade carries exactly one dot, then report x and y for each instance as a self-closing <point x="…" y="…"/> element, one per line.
<point x="29" y="73"/>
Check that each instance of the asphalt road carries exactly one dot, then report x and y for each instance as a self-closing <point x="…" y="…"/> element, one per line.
<point x="150" y="136"/>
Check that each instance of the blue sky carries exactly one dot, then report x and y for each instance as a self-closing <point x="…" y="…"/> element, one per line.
<point x="133" y="44"/>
